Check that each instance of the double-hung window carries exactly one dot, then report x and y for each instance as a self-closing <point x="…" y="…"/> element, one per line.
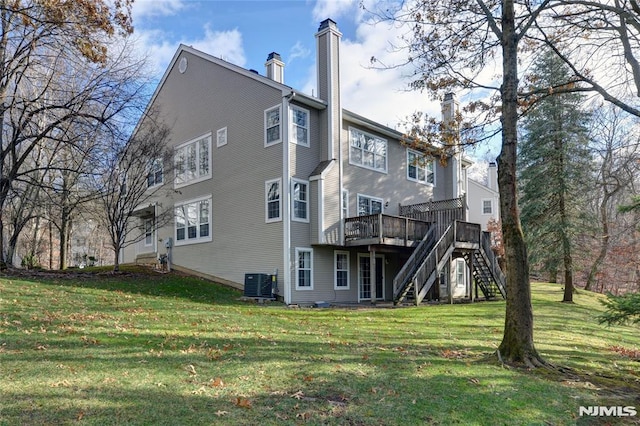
<point x="345" y="203"/>
<point x="273" y="198"/>
<point x="299" y="126"/>
<point x="420" y="168"/>
<point x="487" y="206"/>
<point x="156" y="173"/>
<point x="148" y="232"/>
<point x="221" y="137"/>
<point x="367" y="150"/>
<point x="193" y="221"/>
<point x="272" y="126"/>
<point x="304" y="269"/>
<point x="341" y="270"/>
<point x="300" y="200"/>
<point x="193" y="161"/>
<point x="369" y="205"/>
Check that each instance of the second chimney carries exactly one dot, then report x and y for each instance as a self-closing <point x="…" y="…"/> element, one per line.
<point x="492" y="178"/>
<point x="275" y="67"/>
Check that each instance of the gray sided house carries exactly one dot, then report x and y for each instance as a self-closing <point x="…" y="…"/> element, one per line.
<point x="268" y="180"/>
<point x="483" y="199"/>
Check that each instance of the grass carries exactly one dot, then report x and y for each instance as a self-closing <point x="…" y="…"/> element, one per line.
<point x="98" y="349"/>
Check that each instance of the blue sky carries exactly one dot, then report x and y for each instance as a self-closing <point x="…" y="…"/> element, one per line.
<point x="244" y="32"/>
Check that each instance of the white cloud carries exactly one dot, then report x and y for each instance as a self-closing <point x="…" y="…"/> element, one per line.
<point x="222" y="44"/>
<point x="376" y="93"/>
<point x="333" y="9"/>
<point x="298" y="50"/>
<point x="146" y="8"/>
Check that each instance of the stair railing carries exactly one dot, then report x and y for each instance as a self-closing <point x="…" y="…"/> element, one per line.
<point x="497" y="273"/>
<point x="427" y="264"/>
<point x="403" y="276"/>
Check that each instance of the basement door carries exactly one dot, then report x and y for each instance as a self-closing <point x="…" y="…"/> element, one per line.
<point x="364" y="277"/>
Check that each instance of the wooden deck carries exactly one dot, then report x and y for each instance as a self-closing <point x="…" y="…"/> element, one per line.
<point x="384" y="229"/>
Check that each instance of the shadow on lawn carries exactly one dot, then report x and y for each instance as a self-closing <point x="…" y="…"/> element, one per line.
<point x="136" y="280"/>
<point x="317" y="385"/>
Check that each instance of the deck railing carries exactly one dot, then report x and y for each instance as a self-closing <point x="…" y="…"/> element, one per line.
<point x="443" y="213"/>
<point x="467" y="232"/>
<point x="383" y="227"/>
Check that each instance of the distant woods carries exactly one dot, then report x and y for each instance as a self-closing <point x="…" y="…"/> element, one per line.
<point x="71" y="91"/>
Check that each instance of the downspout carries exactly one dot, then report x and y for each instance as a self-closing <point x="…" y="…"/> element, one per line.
<point x="340" y="183"/>
<point x="286" y="216"/>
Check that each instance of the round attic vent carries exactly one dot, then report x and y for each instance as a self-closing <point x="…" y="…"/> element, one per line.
<point x="182" y="65"/>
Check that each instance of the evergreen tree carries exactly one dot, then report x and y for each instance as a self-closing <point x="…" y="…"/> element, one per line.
<point x="554" y="169"/>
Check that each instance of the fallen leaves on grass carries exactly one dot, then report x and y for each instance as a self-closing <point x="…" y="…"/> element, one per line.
<point x="626" y="352"/>
<point x="216" y="383"/>
<point x="453" y="354"/>
<point x="242" y="402"/>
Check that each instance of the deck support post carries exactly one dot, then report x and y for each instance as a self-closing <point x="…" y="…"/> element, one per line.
<point x="470" y="279"/>
<point x="372" y="274"/>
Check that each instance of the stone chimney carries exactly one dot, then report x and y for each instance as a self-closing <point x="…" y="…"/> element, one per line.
<point x="492" y="176"/>
<point x="275" y="67"/>
<point x="328" y="63"/>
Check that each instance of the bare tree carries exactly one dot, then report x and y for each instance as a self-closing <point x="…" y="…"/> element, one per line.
<point x="617" y="155"/>
<point x="452" y="43"/>
<point x="124" y="185"/>
<point x="54" y="68"/>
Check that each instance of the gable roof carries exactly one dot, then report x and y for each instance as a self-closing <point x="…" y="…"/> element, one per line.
<point x="483" y="186"/>
<point x="286" y="90"/>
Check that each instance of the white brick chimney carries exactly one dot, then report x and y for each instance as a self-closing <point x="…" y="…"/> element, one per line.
<point x="275" y="67"/>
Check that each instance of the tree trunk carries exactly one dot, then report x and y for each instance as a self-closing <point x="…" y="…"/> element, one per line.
<point x="517" y="343"/>
<point x="11" y="249"/>
<point x="564" y="223"/>
<point x="116" y="261"/>
<point x="604" y="243"/>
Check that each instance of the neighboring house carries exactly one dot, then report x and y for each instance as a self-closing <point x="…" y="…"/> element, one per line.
<point x="483" y="199"/>
<point x="269" y="180"/>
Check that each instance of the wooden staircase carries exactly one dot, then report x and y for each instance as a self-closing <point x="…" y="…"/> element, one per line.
<point x="423" y="268"/>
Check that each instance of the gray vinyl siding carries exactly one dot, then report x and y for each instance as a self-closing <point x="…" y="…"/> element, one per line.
<point x="205" y="98"/>
<point x="392" y="187"/>
<point x="324" y="276"/>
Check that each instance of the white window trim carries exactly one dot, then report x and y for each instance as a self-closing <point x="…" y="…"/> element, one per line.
<point x="461" y="266"/>
<point x="267" y="184"/>
<point x="345" y="203"/>
<point x="371" y="198"/>
<point x="198" y="240"/>
<point x="177" y="184"/>
<point x="151" y="170"/>
<point x="386" y="159"/>
<point x="293" y="201"/>
<point x="297" y="268"/>
<point x="433" y="168"/>
<point x="335" y="270"/>
<point x="482" y="206"/>
<point x="379" y="258"/>
<point x="220" y="132"/>
<point x="292" y="132"/>
<point x="279" y="140"/>
<point x="151" y="234"/>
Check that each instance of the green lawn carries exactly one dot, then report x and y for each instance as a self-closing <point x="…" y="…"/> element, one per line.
<point x="167" y="349"/>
